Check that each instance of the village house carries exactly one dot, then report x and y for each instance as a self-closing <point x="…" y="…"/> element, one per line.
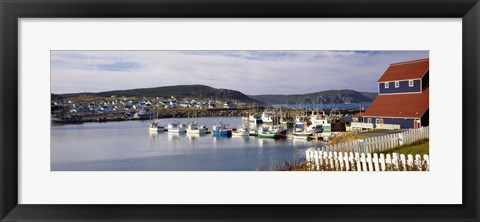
<point x="229" y="105"/>
<point x="403" y="96"/>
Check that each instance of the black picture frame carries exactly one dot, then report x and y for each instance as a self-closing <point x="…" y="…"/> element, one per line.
<point x="12" y="10"/>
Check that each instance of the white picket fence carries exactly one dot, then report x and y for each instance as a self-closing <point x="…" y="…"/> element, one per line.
<point x="380" y="143"/>
<point x="361" y="125"/>
<point x="342" y="161"/>
<point x="387" y="126"/>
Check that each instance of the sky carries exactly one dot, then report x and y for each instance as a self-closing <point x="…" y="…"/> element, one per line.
<point x="250" y="72"/>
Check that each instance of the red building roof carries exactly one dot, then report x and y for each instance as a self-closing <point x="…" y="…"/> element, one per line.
<point x="405" y="70"/>
<point x="399" y="105"/>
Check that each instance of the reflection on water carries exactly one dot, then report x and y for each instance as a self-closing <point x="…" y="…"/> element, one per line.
<point x="130" y="146"/>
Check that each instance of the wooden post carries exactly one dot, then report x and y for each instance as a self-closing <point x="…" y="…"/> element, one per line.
<point x="402" y="160"/>
<point x="418" y="162"/>
<point x="375" y="162"/>
<point x="331" y="161"/>
<point x="395" y="160"/>
<point x="317" y="159"/>
<point x="410" y="161"/>
<point x="325" y="159"/>
<point x="364" y="161"/>
<point x="369" y="162"/>
<point x="347" y="163"/>
<point x="388" y="162"/>
<point x="340" y="160"/>
<point x="350" y="159"/>
<point x="357" y="161"/>
<point x="427" y="161"/>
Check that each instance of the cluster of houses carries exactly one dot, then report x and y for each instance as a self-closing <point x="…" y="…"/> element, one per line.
<point x="138" y="108"/>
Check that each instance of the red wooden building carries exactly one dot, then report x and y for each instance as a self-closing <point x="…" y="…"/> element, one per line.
<point x="403" y="96"/>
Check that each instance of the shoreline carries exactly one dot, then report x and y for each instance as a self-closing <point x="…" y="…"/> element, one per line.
<point x="180" y="113"/>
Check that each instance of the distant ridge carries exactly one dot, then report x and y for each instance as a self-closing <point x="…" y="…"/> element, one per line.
<point x="202" y="91"/>
<point x="326" y="97"/>
<point x="179" y="91"/>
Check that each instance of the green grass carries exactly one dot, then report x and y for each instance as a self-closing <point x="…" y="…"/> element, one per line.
<point x="420" y="147"/>
<point x="345" y="137"/>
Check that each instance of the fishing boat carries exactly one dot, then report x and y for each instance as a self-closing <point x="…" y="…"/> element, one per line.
<point x="302" y="135"/>
<point x="265" y="132"/>
<point x="253" y="132"/>
<point x="272" y="132"/>
<point x="300" y="119"/>
<point x="320" y="123"/>
<point x="317" y="118"/>
<point x="193" y="128"/>
<point x="267" y="117"/>
<point x="220" y="130"/>
<point x="316" y="128"/>
<point x="252" y="118"/>
<point x="298" y="127"/>
<point x="242" y="130"/>
<point x="283" y="119"/>
<point x="255" y="118"/>
<point x="176" y="127"/>
<point x="300" y="132"/>
<point x="154" y="126"/>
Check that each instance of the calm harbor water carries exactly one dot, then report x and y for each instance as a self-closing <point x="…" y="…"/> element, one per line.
<point x="128" y="146"/>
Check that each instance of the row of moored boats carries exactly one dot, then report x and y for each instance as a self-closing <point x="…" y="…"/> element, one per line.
<point x="318" y="125"/>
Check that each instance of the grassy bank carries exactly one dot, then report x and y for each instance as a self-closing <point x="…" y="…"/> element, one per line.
<point x="345" y="137"/>
<point x="420" y="147"/>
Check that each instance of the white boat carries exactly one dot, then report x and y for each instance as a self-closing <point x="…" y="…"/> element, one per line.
<point x="320" y="123"/>
<point x="318" y="118"/>
<point x="300" y="119"/>
<point x="193" y="128"/>
<point x="283" y="121"/>
<point x="242" y="130"/>
<point x="254" y="118"/>
<point x="176" y="127"/>
<point x="302" y="135"/>
<point x="154" y="127"/>
<point x="300" y="132"/>
<point x="316" y="128"/>
<point x="267" y="117"/>
<point x="298" y="127"/>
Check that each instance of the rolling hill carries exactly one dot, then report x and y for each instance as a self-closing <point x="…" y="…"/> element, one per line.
<point x="329" y="96"/>
<point x="202" y="91"/>
<point x="179" y="91"/>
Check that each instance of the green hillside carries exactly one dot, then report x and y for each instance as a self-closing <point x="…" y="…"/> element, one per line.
<point x="201" y="91"/>
<point x="330" y="96"/>
<point x="179" y="91"/>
